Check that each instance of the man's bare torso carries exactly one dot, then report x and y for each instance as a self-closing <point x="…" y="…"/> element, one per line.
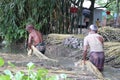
<point x="35" y="37"/>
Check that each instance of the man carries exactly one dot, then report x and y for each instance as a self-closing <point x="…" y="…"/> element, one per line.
<point x="35" y="39"/>
<point x="95" y="42"/>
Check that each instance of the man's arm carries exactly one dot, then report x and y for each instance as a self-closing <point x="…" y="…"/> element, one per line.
<point x="85" y="49"/>
<point x="29" y="41"/>
<point x="85" y="53"/>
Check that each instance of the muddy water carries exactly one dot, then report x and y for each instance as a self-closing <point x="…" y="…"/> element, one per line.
<point x="109" y="72"/>
<point x="19" y="48"/>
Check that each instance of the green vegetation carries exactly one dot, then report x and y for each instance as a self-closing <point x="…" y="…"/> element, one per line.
<point x="31" y="74"/>
<point x="44" y="14"/>
<point x="1" y="61"/>
<point x="110" y="5"/>
<point x="48" y="16"/>
<point x="15" y="14"/>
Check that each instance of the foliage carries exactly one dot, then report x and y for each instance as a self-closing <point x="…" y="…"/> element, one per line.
<point x="1" y="61"/>
<point x="47" y="16"/>
<point x="15" y="14"/>
<point x="110" y="5"/>
<point x="44" y="14"/>
<point x="41" y="74"/>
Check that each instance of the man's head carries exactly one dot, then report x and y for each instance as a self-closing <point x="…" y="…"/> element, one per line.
<point x="93" y="28"/>
<point x="98" y="19"/>
<point x="29" y="27"/>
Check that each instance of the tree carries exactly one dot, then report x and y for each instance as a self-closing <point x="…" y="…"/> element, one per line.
<point x="47" y="16"/>
<point x="110" y="6"/>
<point x="92" y="11"/>
<point x="15" y="14"/>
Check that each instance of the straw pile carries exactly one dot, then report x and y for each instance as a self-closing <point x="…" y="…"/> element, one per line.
<point x="110" y="34"/>
<point x="58" y="38"/>
<point x="112" y="52"/>
<point x="88" y="66"/>
<point x="38" y="54"/>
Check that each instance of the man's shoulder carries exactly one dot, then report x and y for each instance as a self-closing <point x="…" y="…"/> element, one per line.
<point x="99" y="35"/>
<point x="91" y="35"/>
<point x="86" y="37"/>
<point x="32" y="33"/>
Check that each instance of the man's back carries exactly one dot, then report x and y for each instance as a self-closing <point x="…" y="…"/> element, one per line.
<point x="93" y="40"/>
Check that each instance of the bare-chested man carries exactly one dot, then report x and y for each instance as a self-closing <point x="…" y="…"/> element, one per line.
<point x="35" y="38"/>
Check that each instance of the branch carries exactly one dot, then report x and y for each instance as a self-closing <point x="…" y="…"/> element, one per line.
<point x="106" y="5"/>
<point x="75" y="3"/>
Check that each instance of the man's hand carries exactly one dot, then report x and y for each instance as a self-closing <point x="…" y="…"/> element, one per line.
<point x="29" y="45"/>
<point x="30" y="51"/>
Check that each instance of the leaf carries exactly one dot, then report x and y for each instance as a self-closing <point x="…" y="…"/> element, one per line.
<point x="33" y="75"/>
<point x="25" y="77"/>
<point x="56" y="77"/>
<point x="41" y="73"/>
<point x="30" y="65"/>
<point x="1" y="61"/>
<point x="19" y="76"/>
<point x="8" y="72"/>
<point x="11" y="64"/>
<point x="4" y="77"/>
<point x="63" y="76"/>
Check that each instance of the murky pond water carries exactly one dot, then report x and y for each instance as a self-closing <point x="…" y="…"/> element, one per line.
<point x="20" y="57"/>
<point x="111" y="73"/>
<point x="15" y="49"/>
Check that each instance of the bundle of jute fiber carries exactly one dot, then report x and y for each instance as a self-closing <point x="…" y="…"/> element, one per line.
<point x="58" y="38"/>
<point x="34" y="50"/>
<point x="112" y="53"/>
<point x="110" y="33"/>
<point x="112" y="48"/>
<point x="88" y="66"/>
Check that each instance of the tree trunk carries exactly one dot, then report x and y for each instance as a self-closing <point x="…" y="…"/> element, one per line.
<point x="92" y="11"/>
<point x="117" y="20"/>
<point x="80" y="19"/>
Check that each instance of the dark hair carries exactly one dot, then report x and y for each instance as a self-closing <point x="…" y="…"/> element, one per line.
<point x="97" y="18"/>
<point x="30" y="26"/>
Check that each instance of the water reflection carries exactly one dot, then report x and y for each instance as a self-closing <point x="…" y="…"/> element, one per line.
<point x="111" y="73"/>
<point x="14" y="48"/>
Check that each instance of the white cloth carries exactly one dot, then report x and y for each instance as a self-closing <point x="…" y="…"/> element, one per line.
<point x="93" y="27"/>
<point x="92" y="40"/>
